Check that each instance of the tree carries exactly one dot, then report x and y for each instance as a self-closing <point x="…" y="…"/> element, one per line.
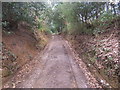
<point x="14" y="12"/>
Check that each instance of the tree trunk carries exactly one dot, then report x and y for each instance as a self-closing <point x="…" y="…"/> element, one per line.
<point x="96" y="14"/>
<point x="114" y="10"/>
<point x="107" y="6"/>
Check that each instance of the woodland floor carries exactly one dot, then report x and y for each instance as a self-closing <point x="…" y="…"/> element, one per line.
<point x="55" y="67"/>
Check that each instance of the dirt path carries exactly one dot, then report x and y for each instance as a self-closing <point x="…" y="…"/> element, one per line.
<point x="57" y="69"/>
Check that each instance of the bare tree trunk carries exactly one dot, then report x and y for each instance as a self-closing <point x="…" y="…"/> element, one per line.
<point x="107" y="6"/>
<point x="96" y="14"/>
<point x="114" y="10"/>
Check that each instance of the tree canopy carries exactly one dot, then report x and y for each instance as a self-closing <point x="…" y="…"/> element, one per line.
<point x="59" y="16"/>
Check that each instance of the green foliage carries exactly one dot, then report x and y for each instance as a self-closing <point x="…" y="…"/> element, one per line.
<point x="14" y="12"/>
<point x="75" y="16"/>
<point x="83" y="17"/>
<point x="106" y="16"/>
<point x="68" y="17"/>
<point x="105" y="21"/>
